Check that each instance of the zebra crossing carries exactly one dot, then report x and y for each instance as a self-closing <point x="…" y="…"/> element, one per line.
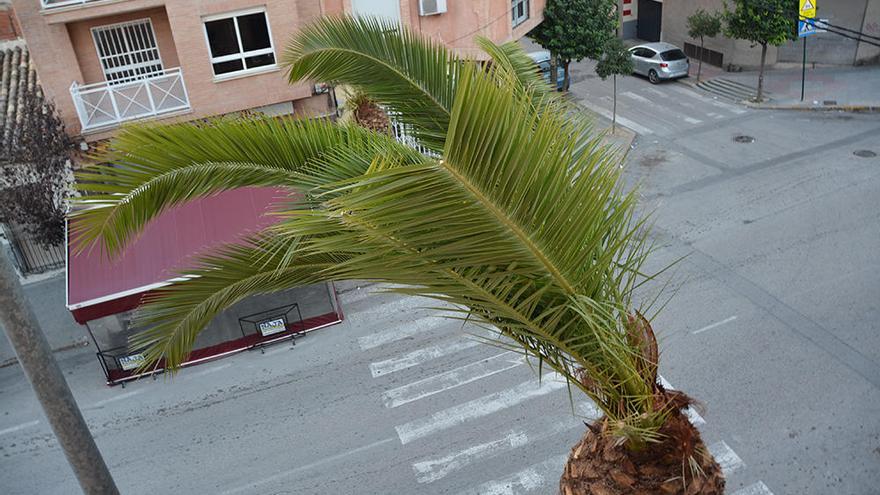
<point x="656" y="110"/>
<point x="425" y="342"/>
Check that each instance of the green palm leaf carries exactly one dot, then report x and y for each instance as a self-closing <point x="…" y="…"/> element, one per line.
<point x="518" y="219"/>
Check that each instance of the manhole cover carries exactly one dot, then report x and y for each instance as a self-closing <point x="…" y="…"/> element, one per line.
<point x="744" y="139"/>
<point x="864" y="153"/>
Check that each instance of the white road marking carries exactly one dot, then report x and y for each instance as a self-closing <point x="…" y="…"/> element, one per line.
<point x="126" y="395"/>
<point x="420" y="356"/>
<point x="656" y="92"/>
<point x="20" y="427"/>
<point x="758" y="488"/>
<point x="620" y="120"/>
<point x="434" y="469"/>
<point x="210" y="370"/>
<point x="305" y="467"/>
<point x="714" y="325"/>
<point x="726" y="457"/>
<point x="531" y="478"/>
<point x="693" y="416"/>
<point x="638" y="98"/>
<point x="711" y="101"/>
<point x="691" y="120"/>
<point x="399" y="332"/>
<point x="483" y="406"/>
<point x="451" y="379"/>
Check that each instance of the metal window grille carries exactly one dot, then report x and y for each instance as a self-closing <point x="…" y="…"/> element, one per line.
<point x="127" y="51"/>
<point x="30" y="256"/>
<point x="519" y="11"/>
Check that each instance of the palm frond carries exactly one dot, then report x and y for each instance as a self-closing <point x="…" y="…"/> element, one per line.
<point x="148" y="169"/>
<point x="411" y="75"/>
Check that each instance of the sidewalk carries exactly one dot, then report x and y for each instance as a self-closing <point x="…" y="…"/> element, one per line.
<point x="826" y="88"/>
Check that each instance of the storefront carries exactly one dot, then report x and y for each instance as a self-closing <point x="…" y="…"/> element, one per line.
<point x="102" y="293"/>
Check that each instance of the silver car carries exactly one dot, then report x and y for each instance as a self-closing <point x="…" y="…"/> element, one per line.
<point x="659" y="61"/>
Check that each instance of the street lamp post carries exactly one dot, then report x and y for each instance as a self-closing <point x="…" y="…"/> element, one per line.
<point x="35" y="356"/>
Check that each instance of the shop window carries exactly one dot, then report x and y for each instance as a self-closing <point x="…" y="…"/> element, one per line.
<point x="240" y="43"/>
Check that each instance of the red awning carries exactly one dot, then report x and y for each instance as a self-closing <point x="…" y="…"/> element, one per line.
<point x="98" y="286"/>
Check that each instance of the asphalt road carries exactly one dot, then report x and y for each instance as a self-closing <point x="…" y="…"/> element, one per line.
<point x="773" y="328"/>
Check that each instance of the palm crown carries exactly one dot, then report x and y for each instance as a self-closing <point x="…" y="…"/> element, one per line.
<point x="515" y="215"/>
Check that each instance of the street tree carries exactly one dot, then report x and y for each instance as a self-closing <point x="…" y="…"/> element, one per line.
<point x="769" y="22"/>
<point x="615" y="61"/>
<point x="575" y="29"/>
<point x="35" y="163"/>
<point x="515" y="214"/>
<point x="702" y="24"/>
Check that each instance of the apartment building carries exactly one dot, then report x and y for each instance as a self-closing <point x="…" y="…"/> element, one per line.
<point x="106" y="62"/>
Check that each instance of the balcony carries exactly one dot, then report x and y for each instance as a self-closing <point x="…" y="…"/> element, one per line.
<point x="106" y="105"/>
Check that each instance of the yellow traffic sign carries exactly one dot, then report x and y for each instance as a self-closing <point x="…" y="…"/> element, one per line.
<point x="807" y="9"/>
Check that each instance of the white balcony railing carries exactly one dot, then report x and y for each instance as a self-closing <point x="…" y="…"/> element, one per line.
<point x="62" y="3"/>
<point x="104" y="104"/>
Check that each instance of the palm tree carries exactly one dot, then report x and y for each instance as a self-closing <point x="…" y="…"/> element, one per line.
<point x="515" y="215"/>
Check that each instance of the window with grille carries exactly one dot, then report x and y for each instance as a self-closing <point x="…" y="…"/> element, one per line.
<point x="127" y="51"/>
<point x="519" y="11"/>
<point x="240" y="42"/>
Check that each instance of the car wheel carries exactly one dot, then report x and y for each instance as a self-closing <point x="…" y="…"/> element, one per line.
<point x="653" y="77"/>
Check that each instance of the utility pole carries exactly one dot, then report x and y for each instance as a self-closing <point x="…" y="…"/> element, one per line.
<point x="35" y="356"/>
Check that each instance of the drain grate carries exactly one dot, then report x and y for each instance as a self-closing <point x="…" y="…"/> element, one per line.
<point x="864" y="153"/>
<point x="742" y="138"/>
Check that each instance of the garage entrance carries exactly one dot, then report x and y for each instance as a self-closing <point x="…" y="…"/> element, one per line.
<point x="650" y="14"/>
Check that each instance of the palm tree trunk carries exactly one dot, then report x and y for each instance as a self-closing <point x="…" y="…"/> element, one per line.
<point x="680" y="465"/>
<point x="700" y="64"/>
<point x="760" y="97"/>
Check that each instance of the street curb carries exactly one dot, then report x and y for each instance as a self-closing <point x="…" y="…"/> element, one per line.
<point x="815" y="108"/>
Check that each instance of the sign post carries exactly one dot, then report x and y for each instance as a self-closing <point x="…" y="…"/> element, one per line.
<point x="806" y="27"/>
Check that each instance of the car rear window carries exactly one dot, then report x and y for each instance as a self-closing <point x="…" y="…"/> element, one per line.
<point x="673" y="55"/>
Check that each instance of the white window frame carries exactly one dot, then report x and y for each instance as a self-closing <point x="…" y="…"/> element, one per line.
<point x="241" y="55"/>
<point x="131" y="53"/>
<point x="516" y="21"/>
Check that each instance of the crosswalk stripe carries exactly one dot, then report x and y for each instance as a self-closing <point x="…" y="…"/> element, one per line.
<point x="448" y="380"/>
<point x="476" y="408"/>
<point x="532" y="478"/>
<point x="758" y="488"/>
<point x="726" y="457"/>
<point x="432" y="470"/>
<point x="693" y="94"/>
<point x="634" y="96"/>
<point x="420" y="356"/>
<point x="400" y="332"/>
<point x="620" y="120"/>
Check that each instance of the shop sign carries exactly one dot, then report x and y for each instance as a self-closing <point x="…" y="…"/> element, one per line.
<point x="271" y="327"/>
<point x="132" y="361"/>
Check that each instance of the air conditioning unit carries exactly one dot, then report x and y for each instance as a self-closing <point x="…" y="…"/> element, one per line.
<point x="432" y="7"/>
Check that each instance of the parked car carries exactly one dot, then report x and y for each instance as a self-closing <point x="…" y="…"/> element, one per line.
<point x="659" y="61"/>
<point x="542" y="58"/>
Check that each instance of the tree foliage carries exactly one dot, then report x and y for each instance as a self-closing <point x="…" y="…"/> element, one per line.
<point x="35" y="172"/>
<point x="768" y="22"/>
<point x="704" y="24"/>
<point x="615" y="60"/>
<point x="576" y="29"/>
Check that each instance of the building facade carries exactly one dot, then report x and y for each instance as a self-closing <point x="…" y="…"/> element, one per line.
<point x="106" y="62"/>
<point x="666" y="20"/>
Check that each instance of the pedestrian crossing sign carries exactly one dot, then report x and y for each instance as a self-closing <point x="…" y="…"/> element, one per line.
<point x="806" y="28"/>
<point x="807" y="9"/>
